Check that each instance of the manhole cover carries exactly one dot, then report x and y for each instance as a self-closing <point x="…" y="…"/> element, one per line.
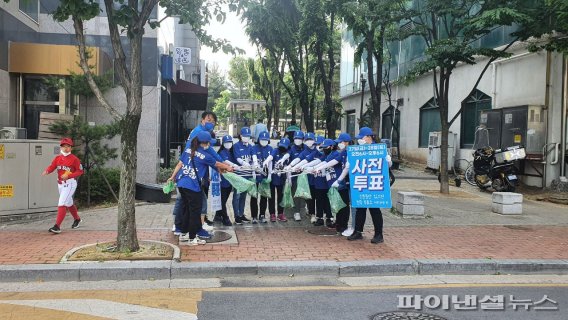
<point x="219" y="236"/>
<point x="406" y="316"/>
<point x="322" y="231"/>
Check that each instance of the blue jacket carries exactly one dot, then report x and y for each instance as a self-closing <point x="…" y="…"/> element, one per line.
<point x="261" y="154"/>
<point x="225" y="155"/>
<point x="278" y="180"/>
<point x="335" y="172"/>
<point x="192" y="171"/>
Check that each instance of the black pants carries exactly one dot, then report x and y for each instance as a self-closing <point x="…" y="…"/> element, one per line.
<point x="321" y="202"/>
<point x="225" y="193"/>
<point x="376" y="215"/>
<point x="342" y="217"/>
<point x="191" y="222"/>
<point x="275" y="191"/>
<point x="254" y="205"/>
<point x="312" y="202"/>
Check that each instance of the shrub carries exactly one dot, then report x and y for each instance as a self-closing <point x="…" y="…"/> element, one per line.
<point x="99" y="189"/>
<point x="164" y="174"/>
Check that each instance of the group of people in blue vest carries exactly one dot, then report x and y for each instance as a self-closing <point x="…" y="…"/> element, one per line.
<point x="324" y="160"/>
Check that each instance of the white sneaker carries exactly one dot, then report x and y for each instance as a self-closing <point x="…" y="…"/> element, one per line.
<point x="184" y="237"/>
<point x="174" y="228"/>
<point x="196" y="241"/>
<point x="347" y="232"/>
<point x="313" y="219"/>
<point x="208" y="228"/>
<point x="297" y="216"/>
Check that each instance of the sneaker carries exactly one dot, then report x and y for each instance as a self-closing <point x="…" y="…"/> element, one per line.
<point x="207" y="221"/>
<point x="174" y="228"/>
<point x="355" y="236"/>
<point x="207" y="227"/>
<point x="203" y="234"/>
<point x="238" y="221"/>
<point x="272" y="217"/>
<point x="313" y="219"/>
<point x="297" y="216"/>
<point x="75" y="224"/>
<point x="319" y="222"/>
<point x="262" y="219"/>
<point x="377" y="239"/>
<point x="282" y="217"/>
<point x="245" y="219"/>
<point x="329" y="223"/>
<point x="227" y="222"/>
<point x="196" y="241"/>
<point x="218" y="218"/>
<point x="184" y="237"/>
<point x="254" y="221"/>
<point x="347" y="232"/>
<point x="55" y="229"/>
<point x="177" y="232"/>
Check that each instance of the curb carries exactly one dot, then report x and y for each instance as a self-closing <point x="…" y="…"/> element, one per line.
<point x="164" y="270"/>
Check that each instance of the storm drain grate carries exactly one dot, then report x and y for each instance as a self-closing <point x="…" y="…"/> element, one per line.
<point x="219" y="236"/>
<point x="406" y="316"/>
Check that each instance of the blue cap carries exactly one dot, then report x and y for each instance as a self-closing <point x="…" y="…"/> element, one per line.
<point x="227" y="138"/>
<point x="310" y="136"/>
<point x="365" y="131"/>
<point x="343" y="137"/>
<point x="284" y="142"/>
<point x="245" y="132"/>
<point x="298" y="135"/>
<point x="319" y="140"/>
<point x="205" y="136"/>
<point x="264" y="136"/>
<point x="327" y="143"/>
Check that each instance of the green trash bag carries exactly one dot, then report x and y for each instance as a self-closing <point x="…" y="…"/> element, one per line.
<point x="287" y="200"/>
<point x="264" y="188"/>
<point x="253" y="190"/>
<point x="239" y="183"/>
<point x="303" y="187"/>
<point x="335" y="201"/>
<point x="169" y="187"/>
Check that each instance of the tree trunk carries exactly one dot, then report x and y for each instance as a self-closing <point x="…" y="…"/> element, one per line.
<point x="376" y="98"/>
<point x="127" y="238"/>
<point x="375" y="103"/>
<point x="443" y="107"/>
<point x="276" y="109"/>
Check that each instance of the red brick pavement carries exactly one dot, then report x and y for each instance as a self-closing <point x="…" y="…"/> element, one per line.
<point x="472" y="242"/>
<point x="295" y="244"/>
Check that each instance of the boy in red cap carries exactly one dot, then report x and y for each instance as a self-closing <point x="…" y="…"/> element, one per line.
<point x="68" y="168"/>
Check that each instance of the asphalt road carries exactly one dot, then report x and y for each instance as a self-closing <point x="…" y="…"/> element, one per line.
<point x="275" y="298"/>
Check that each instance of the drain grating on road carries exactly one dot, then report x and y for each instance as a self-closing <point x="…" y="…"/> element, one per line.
<point x="219" y="236"/>
<point x="406" y="316"/>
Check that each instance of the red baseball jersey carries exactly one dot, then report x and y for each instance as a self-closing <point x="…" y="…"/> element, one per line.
<point x="64" y="164"/>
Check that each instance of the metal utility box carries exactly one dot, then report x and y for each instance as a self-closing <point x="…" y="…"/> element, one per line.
<point x="435" y="153"/>
<point x="22" y="187"/>
<point x="518" y="126"/>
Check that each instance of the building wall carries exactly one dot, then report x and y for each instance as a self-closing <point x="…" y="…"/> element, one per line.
<point x="519" y="80"/>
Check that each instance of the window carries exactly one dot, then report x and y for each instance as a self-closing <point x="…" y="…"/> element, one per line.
<point x="387" y="128"/>
<point x="429" y="122"/>
<point x="350" y="123"/>
<point x="472" y="108"/>
<point x="30" y="8"/>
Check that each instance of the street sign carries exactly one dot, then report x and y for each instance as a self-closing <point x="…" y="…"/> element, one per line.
<point x="369" y="176"/>
<point x="182" y="55"/>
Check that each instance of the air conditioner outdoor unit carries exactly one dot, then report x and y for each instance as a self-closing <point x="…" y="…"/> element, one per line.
<point x="13" y="133"/>
<point x="434" y="150"/>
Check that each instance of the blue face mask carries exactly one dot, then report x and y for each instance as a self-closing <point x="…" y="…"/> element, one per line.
<point x="208" y="126"/>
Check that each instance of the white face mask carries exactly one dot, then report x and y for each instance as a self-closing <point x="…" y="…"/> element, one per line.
<point x="318" y="148"/>
<point x="65" y="153"/>
<point x="228" y="145"/>
<point x="298" y="142"/>
<point x="205" y="147"/>
<point x="245" y="139"/>
<point x="263" y="143"/>
<point x="361" y="141"/>
<point x="309" y="143"/>
<point x="341" y="146"/>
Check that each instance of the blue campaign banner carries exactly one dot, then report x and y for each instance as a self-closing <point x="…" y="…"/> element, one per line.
<point x="369" y="176"/>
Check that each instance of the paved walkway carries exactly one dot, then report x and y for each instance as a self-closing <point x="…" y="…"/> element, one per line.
<point x="459" y="226"/>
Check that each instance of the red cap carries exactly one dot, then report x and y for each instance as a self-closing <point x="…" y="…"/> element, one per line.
<point x="66" y="141"/>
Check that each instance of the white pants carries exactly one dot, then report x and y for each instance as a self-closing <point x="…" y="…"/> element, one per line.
<point x="66" y="192"/>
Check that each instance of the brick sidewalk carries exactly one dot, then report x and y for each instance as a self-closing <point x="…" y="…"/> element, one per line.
<point x="295" y="244"/>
